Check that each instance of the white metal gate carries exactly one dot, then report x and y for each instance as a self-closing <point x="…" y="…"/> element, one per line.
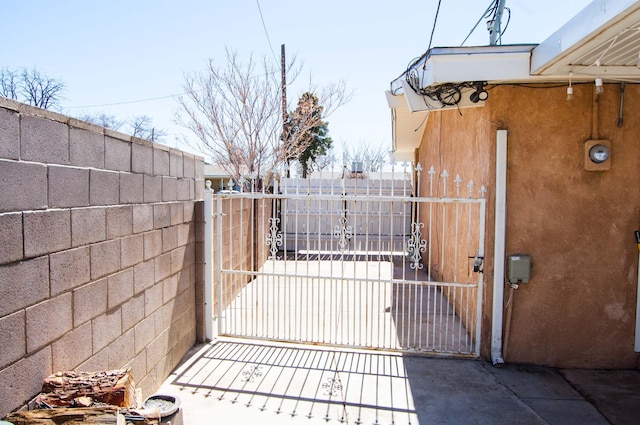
<point x="357" y="261"/>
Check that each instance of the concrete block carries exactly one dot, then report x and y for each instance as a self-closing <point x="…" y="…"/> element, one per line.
<point x="105" y="258"/>
<point x="41" y="318"/>
<point x="169" y="189"/>
<point x="177" y="213"/>
<point x="152" y="188"/>
<point x="143" y="276"/>
<point x="185" y="234"/>
<point x="46" y="232"/>
<point x="23" y="380"/>
<point x="152" y="244"/>
<point x="88" y="225"/>
<point x="178" y="256"/>
<point x="184" y="189"/>
<point x="163" y="317"/>
<point x="169" y="238"/>
<point x="144" y="333"/>
<point x="11" y="242"/>
<point x="120" y="287"/>
<point x="132" y="311"/>
<point x="9" y="134"/>
<point x="188" y="166"/>
<point x="142" y="218"/>
<point x="152" y="299"/>
<point x="69" y="269"/>
<point x="68" y="187"/>
<point x="189" y="211"/>
<point x="13" y="339"/>
<point x="131" y="250"/>
<point x="117" y="154"/>
<point x="122" y="350"/>
<point x="23" y="186"/>
<point x="106" y="328"/>
<point x="72" y="349"/>
<point x="162" y="266"/>
<point x="23" y="284"/>
<point x="161" y="215"/>
<point x="138" y="366"/>
<point x="86" y="148"/>
<point x="141" y="158"/>
<point x="89" y="301"/>
<point x="160" y="161"/>
<point x="131" y="188"/>
<point x="97" y="362"/>
<point x="104" y="187"/>
<point x="199" y="191"/>
<point x="44" y="140"/>
<point x="199" y="169"/>
<point x="169" y="288"/>
<point x="119" y="221"/>
<point x="186" y="278"/>
<point x="157" y="349"/>
<point x="199" y="212"/>
<point x="176" y="163"/>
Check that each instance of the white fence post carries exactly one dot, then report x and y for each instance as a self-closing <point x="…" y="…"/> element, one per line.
<point x="208" y="262"/>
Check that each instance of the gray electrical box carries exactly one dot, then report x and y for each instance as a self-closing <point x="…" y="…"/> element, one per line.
<point x="519" y="268"/>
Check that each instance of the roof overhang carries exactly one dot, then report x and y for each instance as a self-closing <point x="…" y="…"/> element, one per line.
<point x="601" y="40"/>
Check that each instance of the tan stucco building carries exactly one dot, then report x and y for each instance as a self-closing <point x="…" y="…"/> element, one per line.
<point x="502" y="114"/>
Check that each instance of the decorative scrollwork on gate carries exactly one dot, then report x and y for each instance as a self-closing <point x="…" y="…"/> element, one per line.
<point x="342" y="232"/>
<point x="416" y="245"/>
<point x="274" y="238"/>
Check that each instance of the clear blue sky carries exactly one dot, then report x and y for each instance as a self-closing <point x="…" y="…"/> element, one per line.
<point x="115" y="51"/>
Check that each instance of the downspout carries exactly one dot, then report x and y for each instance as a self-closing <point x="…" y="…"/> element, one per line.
<point x="499" y="247"/>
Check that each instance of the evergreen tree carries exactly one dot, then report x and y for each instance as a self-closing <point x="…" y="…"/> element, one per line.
<point x="306" y="134"/>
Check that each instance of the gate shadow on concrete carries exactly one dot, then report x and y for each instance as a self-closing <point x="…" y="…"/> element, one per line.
<point x="241" y="382"/>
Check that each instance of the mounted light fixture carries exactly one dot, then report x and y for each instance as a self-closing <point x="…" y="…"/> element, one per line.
<point x="480" y="94"/>
<point x="599" y="86"/>
<point x="570" y="88"/>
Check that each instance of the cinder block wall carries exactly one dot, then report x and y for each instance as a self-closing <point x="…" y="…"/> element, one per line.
<point x="99" y="253"/>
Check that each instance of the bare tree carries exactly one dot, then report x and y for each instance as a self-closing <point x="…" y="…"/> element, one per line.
<point x="370" y="157"/>
<point x="9" y="83"/>
<point x="103" y="119"/>
<point x="32" y="87"/>
<point x="235" y="112"/>
<point x="140" y="126"/>
<point x="39" y="90"/>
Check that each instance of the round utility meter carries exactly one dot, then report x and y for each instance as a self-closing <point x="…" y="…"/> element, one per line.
<point x="599" y="154"/>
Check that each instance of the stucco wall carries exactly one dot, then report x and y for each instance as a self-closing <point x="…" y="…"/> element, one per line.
<point x="579" y="308"/>
<point x="97" y="252"/>
<point x="463" y="144"/>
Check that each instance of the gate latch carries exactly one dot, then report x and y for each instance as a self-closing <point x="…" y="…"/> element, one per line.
<point x="477" y="264"/>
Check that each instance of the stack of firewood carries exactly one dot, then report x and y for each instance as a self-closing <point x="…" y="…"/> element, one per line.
<point x="76" y="416"/>
<point x="84" y="389"/>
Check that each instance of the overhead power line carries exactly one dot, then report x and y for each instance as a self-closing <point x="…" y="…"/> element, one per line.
<point x="265" y="31"/>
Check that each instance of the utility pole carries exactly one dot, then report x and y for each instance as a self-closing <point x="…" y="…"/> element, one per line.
<point x="283" y="73"/>
<point x="494" y="26"/>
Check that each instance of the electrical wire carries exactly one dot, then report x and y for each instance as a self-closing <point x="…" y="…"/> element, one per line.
<point x="435" y="20"/>
<point x="506" y="26"/>
<point x="491" y="9"/>
<point x="265" y="31"/>
<point x="126" y="102"/>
